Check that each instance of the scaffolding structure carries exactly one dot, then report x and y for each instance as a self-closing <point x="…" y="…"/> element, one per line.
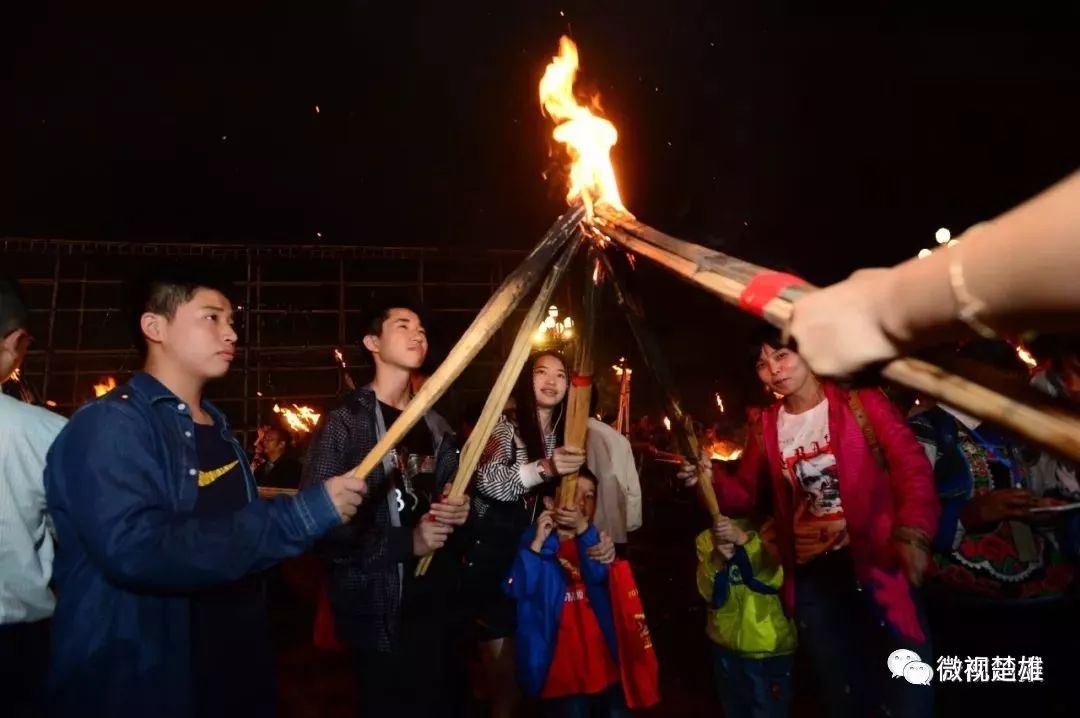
<point x="295" y="304"/>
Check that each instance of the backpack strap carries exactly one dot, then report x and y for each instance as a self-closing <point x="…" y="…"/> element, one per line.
<point x="857" y="408"/>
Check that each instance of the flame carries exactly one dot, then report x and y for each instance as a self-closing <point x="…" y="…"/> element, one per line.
<point x="719" y="449"/>
<point x="667" y="423"/>
<point x="339" y="358"/>
<point x="720" y="403"/>
<point x="1026" y="357"/>
<point x="51" y="404"/>
<point x="107" y="384"/>
<point x="722" y="451"/>
<point x="301" y="419"/>
<point x="619" y="369"/>
<point x="588" y="138"/>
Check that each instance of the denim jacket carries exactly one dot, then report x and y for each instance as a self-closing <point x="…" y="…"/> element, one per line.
<point x="121" y="485"/>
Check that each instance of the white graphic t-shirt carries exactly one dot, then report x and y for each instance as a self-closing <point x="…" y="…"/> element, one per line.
<point x="810" y="465"/>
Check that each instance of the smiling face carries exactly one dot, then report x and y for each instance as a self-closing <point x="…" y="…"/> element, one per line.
<point x="782" y="370"/>
<point x="550" y="381"/>
<point x="402" y="341"/>
<point x="198" y="340"/>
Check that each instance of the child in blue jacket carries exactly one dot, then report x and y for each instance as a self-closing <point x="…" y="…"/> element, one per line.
<point x="565" y="645"/>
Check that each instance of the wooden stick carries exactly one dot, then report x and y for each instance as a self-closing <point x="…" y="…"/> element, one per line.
<point x="487" y="322"/>
<point x="1039" y="419"/>
<point x="504" y="384"/>
<point x="656" y="359"/>
<point x="577" y="404"/>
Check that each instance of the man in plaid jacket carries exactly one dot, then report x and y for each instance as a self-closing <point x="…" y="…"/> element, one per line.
<point x="402" y="630"/>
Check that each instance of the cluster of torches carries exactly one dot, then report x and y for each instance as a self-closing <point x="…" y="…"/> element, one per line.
<point x="588" y="139"/>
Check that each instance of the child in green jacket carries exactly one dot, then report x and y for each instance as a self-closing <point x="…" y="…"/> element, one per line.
<point x="754" y="640"/>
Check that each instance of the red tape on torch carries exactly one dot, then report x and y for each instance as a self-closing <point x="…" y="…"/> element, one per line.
<point x="764" y="288"/>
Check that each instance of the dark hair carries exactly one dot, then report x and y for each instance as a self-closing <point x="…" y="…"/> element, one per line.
<point x="378" y="313"/>
<point x="282" y="433"/>
<point x="13" y="314"/>
<point x="764" y="334"/>
<point x="164" y="289"/>
<point x="527" y="421"/>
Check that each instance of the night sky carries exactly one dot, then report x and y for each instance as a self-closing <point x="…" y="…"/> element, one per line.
<point x="816" y="142"/>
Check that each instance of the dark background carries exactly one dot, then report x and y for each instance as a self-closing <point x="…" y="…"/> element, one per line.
<point x="814" y="141"/>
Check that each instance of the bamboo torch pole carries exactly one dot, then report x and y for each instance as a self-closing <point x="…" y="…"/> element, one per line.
<point x="487" y="322"/>
<point x="577" y="404"/>
<point x="729" y="278"/>
<point x="504" y="384"/>
<point x="655" y="359"/>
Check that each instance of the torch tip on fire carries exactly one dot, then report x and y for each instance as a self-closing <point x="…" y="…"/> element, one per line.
<point x="300" y="419"/>
<point x="587" y="136"/>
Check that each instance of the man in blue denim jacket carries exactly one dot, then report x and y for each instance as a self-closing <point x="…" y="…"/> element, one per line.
<point x="160" y="530"/>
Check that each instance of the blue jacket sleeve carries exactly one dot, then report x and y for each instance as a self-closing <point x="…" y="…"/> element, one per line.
<point x="103" y="476"/>
<point x="526" y="578"/>
<point x="592" y="572"/>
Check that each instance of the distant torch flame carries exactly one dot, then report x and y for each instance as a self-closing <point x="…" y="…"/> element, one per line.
<point x="339" y="358"/>
<point x="588" y="137"/>
<point x="720" y="403"/>
<point x="107" y="384"/>
<point x="667" y="423"/>
<point x="301" y="419"/>
<point x="724" y="451"/>
<point x="1026" y="357"/>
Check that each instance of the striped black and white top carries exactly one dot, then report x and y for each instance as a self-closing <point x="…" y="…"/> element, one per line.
<point x="504" y="472"/>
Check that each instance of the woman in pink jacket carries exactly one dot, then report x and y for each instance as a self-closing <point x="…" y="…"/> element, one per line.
<point x="853" y="498"/>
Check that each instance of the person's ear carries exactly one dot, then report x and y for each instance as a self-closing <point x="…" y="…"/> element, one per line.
<point x="371" y="343"/>
<point x="153" y="327"/>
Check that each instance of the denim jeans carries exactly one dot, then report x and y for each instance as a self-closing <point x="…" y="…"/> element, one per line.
<point x="849" y="645"/>
<point x="753" y="687"/>
<point x="608" y="704"/>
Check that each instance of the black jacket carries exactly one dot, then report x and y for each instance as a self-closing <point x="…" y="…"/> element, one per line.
<point x="362" y="556"/>
<point x="283" y="474"/>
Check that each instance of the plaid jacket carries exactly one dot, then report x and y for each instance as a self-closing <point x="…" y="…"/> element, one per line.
<point x="362" y="556"/>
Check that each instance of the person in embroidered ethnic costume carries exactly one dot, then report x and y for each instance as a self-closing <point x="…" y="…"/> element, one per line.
<point x="998" y="559"/>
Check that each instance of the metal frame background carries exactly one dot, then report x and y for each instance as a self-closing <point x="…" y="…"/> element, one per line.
<point x="295" y="305"/>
